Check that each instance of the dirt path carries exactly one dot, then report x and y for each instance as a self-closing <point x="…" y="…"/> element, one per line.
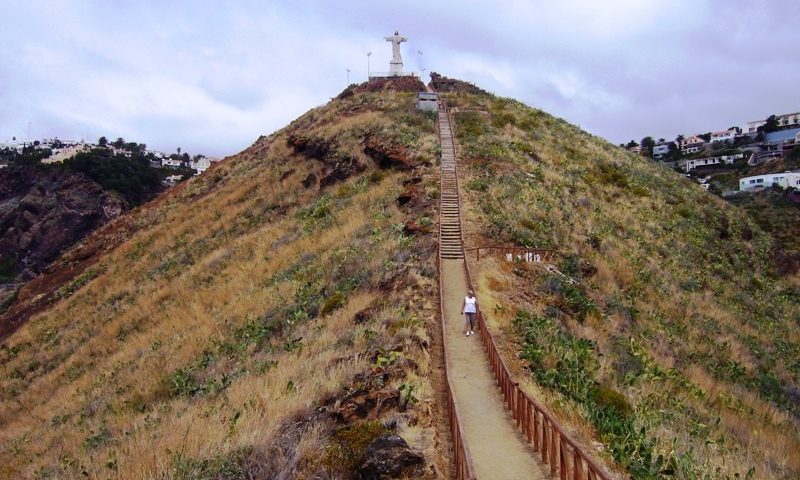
<point x="498" y="449"/>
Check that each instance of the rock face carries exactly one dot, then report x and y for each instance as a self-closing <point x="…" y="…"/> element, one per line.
<point x="441" y="83"/>
<point x="43" y="211"/>
<point x="381" y="84"/>
<point x="388" y="456"/>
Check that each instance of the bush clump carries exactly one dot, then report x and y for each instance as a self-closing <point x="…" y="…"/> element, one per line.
<point x="608" y="398"/>
<point x="332" y="303"/>
<point x="348" y="446"/>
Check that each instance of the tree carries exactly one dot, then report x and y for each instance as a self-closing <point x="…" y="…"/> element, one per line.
<point x="103" y="142"/>
<point x="119" y="142"/>
<point x="661" y="140"/>
<point x="647" y="145"/>
<point x="674" y="151"/>
<point x="679" y="138"/>
<point x="770" y="125"/>
<point x="632" y="144"/>
<point x="179" y="150"/>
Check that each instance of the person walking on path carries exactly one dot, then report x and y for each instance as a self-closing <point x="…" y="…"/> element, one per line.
<point x="470" y="308"/>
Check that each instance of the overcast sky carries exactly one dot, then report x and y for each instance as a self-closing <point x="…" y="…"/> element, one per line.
<point x="212" y="76"/>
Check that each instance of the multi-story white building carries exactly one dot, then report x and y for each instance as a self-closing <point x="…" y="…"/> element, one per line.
<point x="661" y="150"/>
<point x="689" y="165"/>
<point x="785" y="120"/>
<point x="692" y="144"/>
<point x="785" y="180"/>
<point x="788" y="119"/>
<point x="723" y="136"/>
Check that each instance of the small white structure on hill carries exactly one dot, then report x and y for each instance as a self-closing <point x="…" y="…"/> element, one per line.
<point x="428" y="101"/>
<point x="785" y="180"/>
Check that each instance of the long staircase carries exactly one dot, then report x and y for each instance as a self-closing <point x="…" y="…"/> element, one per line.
<point x="450" y="213"/>
<point x="497" y="430"/>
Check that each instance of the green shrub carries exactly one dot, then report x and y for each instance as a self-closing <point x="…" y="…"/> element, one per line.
<point x="79" y="281"/>
<point x="607" y="397"/>
<point x="348" y="446"/>
<point x="332" y="303"/>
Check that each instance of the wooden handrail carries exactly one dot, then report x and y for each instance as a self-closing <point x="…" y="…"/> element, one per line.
<point x="462" y="459"/>
<point x="543" y="431"/>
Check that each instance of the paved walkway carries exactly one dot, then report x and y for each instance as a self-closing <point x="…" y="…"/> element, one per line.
<point x="498" y="448"/>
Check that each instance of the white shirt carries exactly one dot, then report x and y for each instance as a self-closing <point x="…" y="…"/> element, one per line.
<point x="469" y="305"/>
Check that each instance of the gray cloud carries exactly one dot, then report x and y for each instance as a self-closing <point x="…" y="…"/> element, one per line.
<point x="212" y="76"/>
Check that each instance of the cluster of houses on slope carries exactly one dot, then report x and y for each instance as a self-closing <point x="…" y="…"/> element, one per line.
<point x="775" y="141"/>
<point x="64" y="149"/>
<point x="750" y="142"/>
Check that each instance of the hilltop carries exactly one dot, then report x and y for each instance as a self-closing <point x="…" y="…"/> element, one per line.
<point x="276" y="315"/>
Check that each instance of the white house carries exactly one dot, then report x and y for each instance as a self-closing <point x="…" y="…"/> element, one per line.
<point x="785" y="180"/>
<point x="172" y="179"/>
<point x="200" y="164"/>
<point x="723" y="136"/>
<point x="690" y="165"/>
<point x="788" y="119"/>
<point x="692" y="144"/>
<point x="171" y="162"/>
<point x="661" y="150"/>
<point x="752" y="127"/>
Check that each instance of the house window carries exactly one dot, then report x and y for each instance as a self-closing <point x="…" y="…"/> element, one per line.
<point x="760" y="180"/>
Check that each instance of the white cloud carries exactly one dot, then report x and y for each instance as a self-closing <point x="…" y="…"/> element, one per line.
<point x="212" y="76"/>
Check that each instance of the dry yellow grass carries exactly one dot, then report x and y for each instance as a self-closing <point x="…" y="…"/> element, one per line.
<point x="89" y="387"/>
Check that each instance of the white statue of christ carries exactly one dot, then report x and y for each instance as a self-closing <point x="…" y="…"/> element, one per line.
<point x="396" y="65"/>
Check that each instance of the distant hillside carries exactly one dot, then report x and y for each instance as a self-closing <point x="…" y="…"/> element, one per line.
<point x="671" y="333"/>
<point x="269" y="319"/>
<point x="46" y="208"/>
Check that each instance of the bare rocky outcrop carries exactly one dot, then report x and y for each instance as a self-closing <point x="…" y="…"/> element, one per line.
<point x="43" y="211"/>
<point x="388" y="456"/>
<point x="382" y="84"/>
<point x="441" y="83"/>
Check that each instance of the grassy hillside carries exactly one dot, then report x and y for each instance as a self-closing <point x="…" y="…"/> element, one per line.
<point x="269" y="317"/>
<point x="670" y="334"/>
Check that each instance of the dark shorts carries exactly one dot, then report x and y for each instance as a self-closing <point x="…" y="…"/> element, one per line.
<point x="470" y="319"/>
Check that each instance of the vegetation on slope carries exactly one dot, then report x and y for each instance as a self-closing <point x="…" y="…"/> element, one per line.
<point x="670" y="334"/>
<point x="257" y="322"/>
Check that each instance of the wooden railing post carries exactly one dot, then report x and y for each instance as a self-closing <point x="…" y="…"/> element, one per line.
<point x="577" y="465"/>
<point x="553" y="453"/>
